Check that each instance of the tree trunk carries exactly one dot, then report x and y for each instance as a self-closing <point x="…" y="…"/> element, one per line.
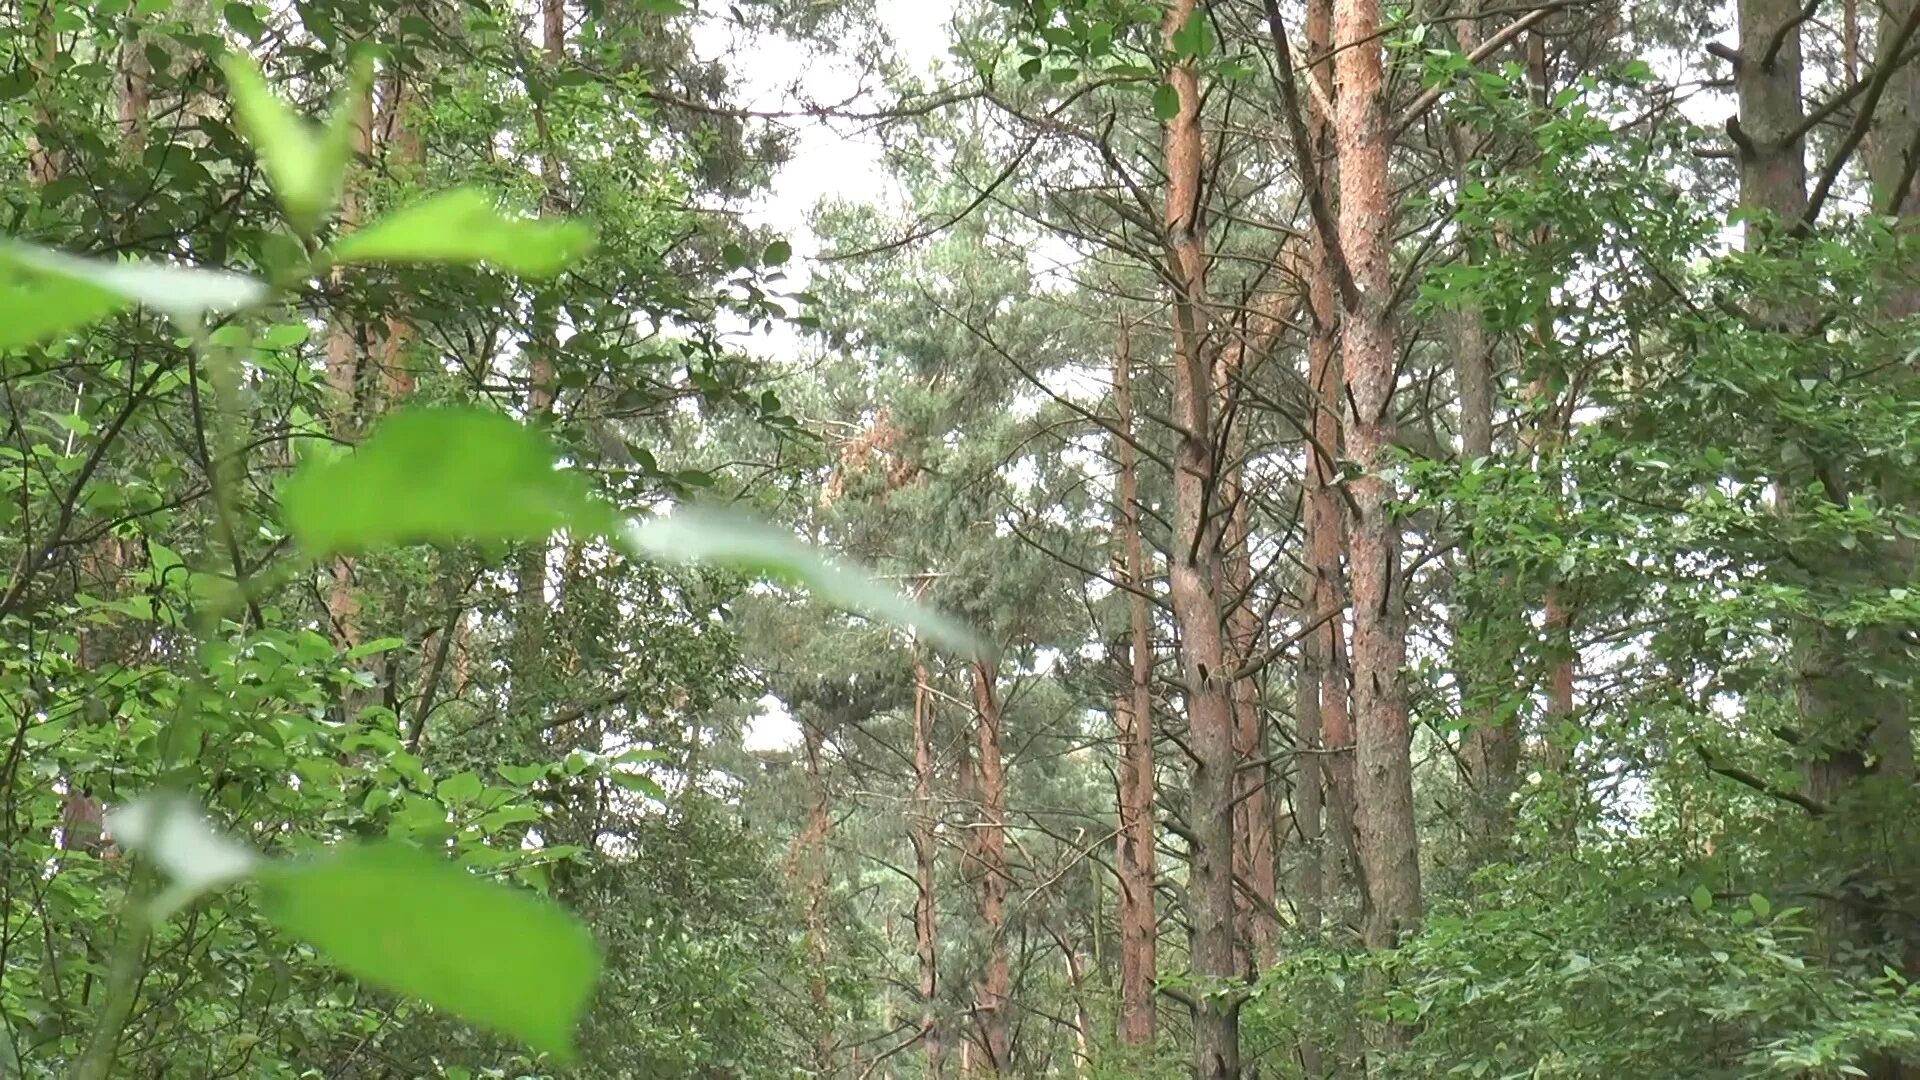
<point x="1324" y="652"/>
<point x="1253" y="849"/>
<point x="1483" y="660"/>
<point x="1133" y="716"/>
<point x="1383" y="763"/>
<point x="809" y="868"/>
<point x="924" y="928"/>
<point x="346" y="343"/>
<point x="1192" y="575"/>
<point x="996" y="982"/>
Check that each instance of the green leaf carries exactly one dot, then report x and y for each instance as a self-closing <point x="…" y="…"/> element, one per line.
<point x="464" y="226"/>
<point x="415" y="924"/>
<point x="1761" y="905"/>
<point x="305" y="162"/>
<point x="460" y="788"/>
<point x="171" y="830"/>
<point x="35" y="305"/>
<point x="777" y="253"/>
<point x="706" y="535"/>
<point x="635" y="782"/>
<point x="376" y="647"/>
<point x="1166" y="102"/>
<point x="1702" y="899"/>
<point x="44" y="293"/>
<point x="440" y="475"/>
<point x="1195" y="38"/>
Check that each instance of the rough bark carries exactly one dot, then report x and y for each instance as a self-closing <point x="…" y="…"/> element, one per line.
<point x="1890" y="148"/>
<point x="808" y="867"/>
<point x="1192" y="575"/>
<point x="1483" y="671"/>
<point x="1324" y="652"/>
<point x="926" y="944"/>
<point x="1133" y="716"/>
<point x="1254" y="847"/>
<point x="345" y="350"/>
<point x="1383" y="765"/>
<point x="996" y="983"/>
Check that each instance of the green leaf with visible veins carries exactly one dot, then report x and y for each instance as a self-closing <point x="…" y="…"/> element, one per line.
<point x="464" y="226"/>
<point x="440" y="475"/>
<point x="416" y="924"/>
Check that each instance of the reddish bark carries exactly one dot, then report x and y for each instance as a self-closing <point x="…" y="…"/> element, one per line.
<point x="1383" y="766"/>
<point x="996" y="983"/>
<point x="1193" y="575"/>
<point x="1324" y="652"/>
<point x="1133" y="716"/>
<point x="924" y="927"/>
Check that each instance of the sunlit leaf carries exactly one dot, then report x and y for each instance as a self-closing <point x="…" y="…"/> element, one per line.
<point x="440" y="475"/>
<point x="44" y="293"/>
<point x="464" y="226"/>
<point x="418" y="925"/>
<point x="306" y="163"/>
<point x="713" y="536"/>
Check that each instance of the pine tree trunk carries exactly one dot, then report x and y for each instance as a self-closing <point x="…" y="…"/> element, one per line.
<point x="1383" y="764"/>
<point x="1324" y="652"/>
<point x="1483" y="664"/>
<point x="1253" y="848"/>
<point x="809" y="867"/>
<point x="1192" y="575"/>
<point x="1894" y="140"/>
<point x="345" y="347"/>
<point x="924" y="928"/>
<point x="996" y="984"/>
<point x="1133" y="716"/>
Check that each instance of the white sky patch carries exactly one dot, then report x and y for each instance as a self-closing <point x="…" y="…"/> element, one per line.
<point x="772" y="730"/>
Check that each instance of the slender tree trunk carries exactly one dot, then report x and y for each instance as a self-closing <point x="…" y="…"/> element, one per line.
<point x="1895" y="138"/>
<point x="1383" y="763"/>
<point x="345" y="348"/>
<point x="43" y="161"/>
<point x="926" y="943"/>
<point x="1253" y="849"/>
<point x="1483" y="667"/>
<point x="1133" y="715"/>
<point x="530" y="568"/>
<point x="809" y="867"/>
<point x="1324" y="652"/>
<point x="134" y="78"/>
<point x="996" y="984"/>
<point x="1192" y="575"/>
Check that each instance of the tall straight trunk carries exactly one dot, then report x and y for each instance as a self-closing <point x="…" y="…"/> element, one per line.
<point x="1894" y="139"/>
<point x="1133" y="716"/>
<point x="926" y="944"/>
<point x="530" y="569"/>
<point x="809" y="868"/>
<point x="1253" y="847"/>
<point x="1543" y="445"/>
<point x="1483" y="667"/>
<point x="1192" y="576"/>
<point x="405" y="154"/>
<point x="134" y="77"/>
<point x="1383" y="761"/>
<point x="1323" y="654"/>
<point x="345" y="348"/>
<point x="996" y="984"/>
<point x="43" y="161"/>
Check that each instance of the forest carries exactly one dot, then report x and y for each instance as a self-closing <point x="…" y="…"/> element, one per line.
<point x="907" y="539"/>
